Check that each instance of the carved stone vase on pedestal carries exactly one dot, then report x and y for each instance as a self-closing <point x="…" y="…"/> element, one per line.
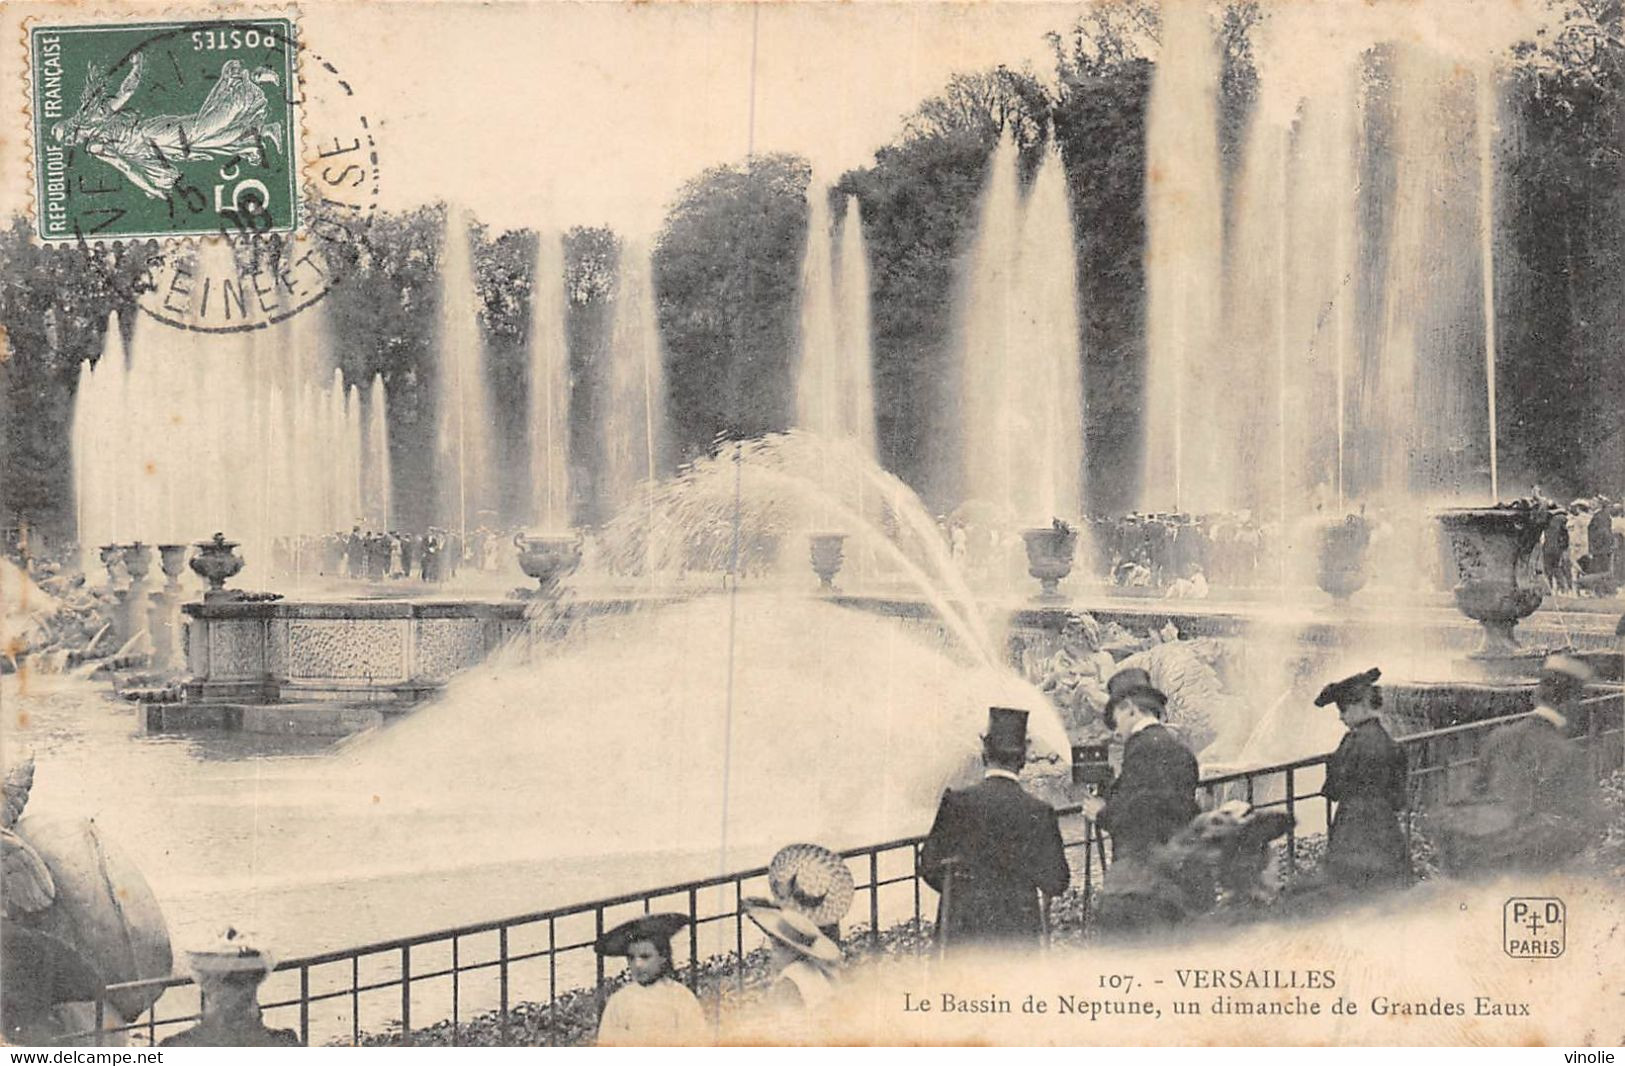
<point x="828" y="554"/>
<point x="163" y="616"/>
<point x="1049" y="557"/>
<point x="133" y="600"/>
<point x="215" y="561"/>
<point x="1492" y="549"/>
<point x="549" y="559"/>
<point x="1342" y="558"/>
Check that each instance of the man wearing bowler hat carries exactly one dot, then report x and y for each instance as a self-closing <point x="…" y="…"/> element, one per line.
<point x="1154" y="795"/>
<point x="1543" y="782"/>
<point x="1366" y="778"/>
<point x="993" y="848"/>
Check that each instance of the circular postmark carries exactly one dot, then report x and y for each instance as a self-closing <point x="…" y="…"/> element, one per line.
<point x="242" y="208"/>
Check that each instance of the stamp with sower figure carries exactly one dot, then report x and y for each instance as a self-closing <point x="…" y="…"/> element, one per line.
<point x="232" y="159"/>
<point x="164" y="129"/>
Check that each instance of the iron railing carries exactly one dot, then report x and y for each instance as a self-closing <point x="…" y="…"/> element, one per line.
<point x="547" y="956"/>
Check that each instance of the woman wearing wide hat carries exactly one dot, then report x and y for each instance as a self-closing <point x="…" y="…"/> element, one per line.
<point x="804" y="958"/>
<point x="1366" y="777"/>
<point x="653" y="1008"/>
<point x="814" y="881"/>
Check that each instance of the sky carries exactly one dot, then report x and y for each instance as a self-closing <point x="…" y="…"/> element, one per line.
<point x="557" y="114"/>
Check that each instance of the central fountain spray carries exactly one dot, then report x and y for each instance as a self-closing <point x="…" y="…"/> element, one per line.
<point x="549" y="389"/>
<point x="464" y="452"/>
<point x="1018" y="337"/>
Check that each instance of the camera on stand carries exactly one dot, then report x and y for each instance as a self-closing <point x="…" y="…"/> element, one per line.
<point x="1091" y="768"/>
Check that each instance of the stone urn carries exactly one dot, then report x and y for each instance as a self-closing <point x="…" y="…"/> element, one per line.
<point x="138" y="561"/>
<point x="827" y="556"/>
<point x="172" y="558"/>
<point x="111" y="554"/>
<point x="1341" y="551"/>
<point x="548" y="558"/>
<point x="1049" y="556"/>
<point x="215" y="561"/>
<point x="1493" y="553"/>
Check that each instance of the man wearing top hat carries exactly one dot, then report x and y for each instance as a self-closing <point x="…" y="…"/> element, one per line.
<point x="1366" y="778"/>
<point x="1541" y="780"/>
<point x="1154" y="795"/>
<point x="993" y="848"/>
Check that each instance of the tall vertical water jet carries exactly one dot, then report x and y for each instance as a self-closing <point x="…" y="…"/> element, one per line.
<point x="1485" y="127"/>
<point x="1021" y="367"/>
<point x="79" y="447"/>
<point x="991" y="424"/>
<point x="819" y="391"/>
<point x="1183" y="261"/>
<point x="549" y="388"/>
<point x="178" y="439"/>
<point x="463" y="466"/>
<point x="1422" y="384"/>
<point x="377" y="468"/>
<point x="1045" y="369"/>
<point x="634" y="422"/>
<point x="355" y="455"/>
<point x="337" y="441"/>
<point x="854" y="327"/>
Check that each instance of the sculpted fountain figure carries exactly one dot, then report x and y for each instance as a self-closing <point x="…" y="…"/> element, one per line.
<point x="77" y="917"/>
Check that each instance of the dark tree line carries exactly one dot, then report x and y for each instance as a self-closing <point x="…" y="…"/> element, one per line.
<point x="727" y="270"/>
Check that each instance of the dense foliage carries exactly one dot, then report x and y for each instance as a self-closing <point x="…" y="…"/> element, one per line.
<point x="727" y="262"/>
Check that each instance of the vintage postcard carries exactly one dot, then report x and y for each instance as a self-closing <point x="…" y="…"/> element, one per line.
<point x="883" y="523"/>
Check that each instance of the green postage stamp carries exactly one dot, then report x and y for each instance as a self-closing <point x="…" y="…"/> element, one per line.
<point x="162" y="129"/>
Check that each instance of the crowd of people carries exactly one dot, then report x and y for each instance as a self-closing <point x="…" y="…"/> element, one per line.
<point x="435" y="554"/>
<point x="1582" y="551"/>
<point x="994" y="852"/>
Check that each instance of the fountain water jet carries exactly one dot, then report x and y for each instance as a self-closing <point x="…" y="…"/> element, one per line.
<point x="378" y="502"/>
<point x="634" y="422"/>
<point x="219" y="444"/>
<point x="549" y="388"/>
<point x="463" y="459"/>
<point x="1183" y="262"/>
<point x="853" y="325"/>
<point x="1021" y="393"/>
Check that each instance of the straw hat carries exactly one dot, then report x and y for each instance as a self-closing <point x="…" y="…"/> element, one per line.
<point x="234" y="954"/>
<point x="812" y="880"/>
<point x="794" y="930"/>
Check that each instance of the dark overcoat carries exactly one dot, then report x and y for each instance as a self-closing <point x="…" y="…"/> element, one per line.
<point x="1154" y="795"/>
<point x="1000" y="847"/>
<point x="1366" y="778"/>
<point x="1545" y="782"/>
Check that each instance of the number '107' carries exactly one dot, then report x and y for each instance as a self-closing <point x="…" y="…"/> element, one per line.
<point x="225" y="40"/>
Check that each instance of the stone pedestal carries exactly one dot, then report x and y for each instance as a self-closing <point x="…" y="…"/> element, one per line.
<point x="163" y="624"/>
<point x="393" y="651"/>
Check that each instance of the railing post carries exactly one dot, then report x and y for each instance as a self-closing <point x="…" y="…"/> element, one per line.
<point x="456" y="989"/>
<point x="693" y="938"/>
<point x="739" y="935"/>
<point x="1292" y="824"/>
<point x="355" y="1000"/>
<point x="406" y="994"/>
<point x="1088" y="868"/>
<point x="304" y="1005"/>
<point x="874" y="898"/>
<point x="918" y="920"/>
<point x="552" y="977"/>
<point x="101" y="1020"/>
<point x="598" y="933"/>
